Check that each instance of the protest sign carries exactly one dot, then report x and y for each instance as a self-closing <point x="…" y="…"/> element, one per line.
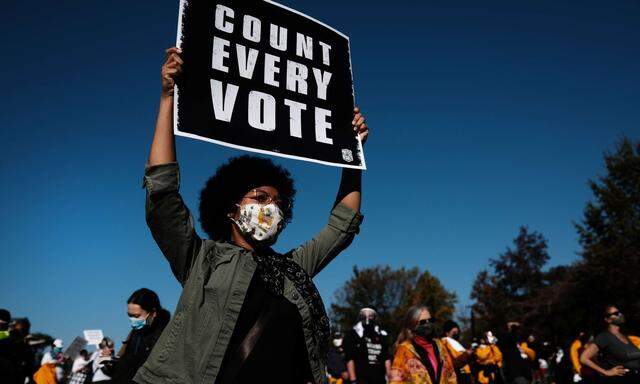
<point x="265" y="78"/>
<point x="93" y="336"/>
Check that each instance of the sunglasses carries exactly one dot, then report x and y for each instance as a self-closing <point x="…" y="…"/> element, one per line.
<point x="430" y="320"/>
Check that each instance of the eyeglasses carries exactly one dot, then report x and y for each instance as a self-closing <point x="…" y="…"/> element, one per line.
<point x="425" y="321"/>
<point x="616" y="314"/>
<point x="264" y="198"/>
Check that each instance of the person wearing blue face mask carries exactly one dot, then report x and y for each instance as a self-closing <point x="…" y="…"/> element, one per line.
<point x="148" y="319"/>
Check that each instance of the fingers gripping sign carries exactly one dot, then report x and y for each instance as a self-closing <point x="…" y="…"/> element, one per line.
<point x="171" y="70"/>
<point x="359" y="125"/>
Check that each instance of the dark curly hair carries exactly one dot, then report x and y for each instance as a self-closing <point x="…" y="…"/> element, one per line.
<point x="231" y="182"/>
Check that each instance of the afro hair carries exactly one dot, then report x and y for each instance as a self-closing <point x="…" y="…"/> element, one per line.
<point x="230" y="184"/>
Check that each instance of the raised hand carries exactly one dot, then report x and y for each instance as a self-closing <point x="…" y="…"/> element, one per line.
<point x="171" y="70"/>
<point x="359" y="125"/>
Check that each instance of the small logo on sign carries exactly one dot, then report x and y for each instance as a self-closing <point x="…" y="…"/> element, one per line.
<point x="347" y="155"/>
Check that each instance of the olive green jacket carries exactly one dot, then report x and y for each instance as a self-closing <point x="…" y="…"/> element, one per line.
<point x="215" y="277"/>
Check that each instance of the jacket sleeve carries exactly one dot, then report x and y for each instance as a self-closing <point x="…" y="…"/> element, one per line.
<point x="314" y="255"/>
<point x="531" y="354"/>
<point x="575" y="356"/>
<point x="497" y="355"/>
<point x="635" y="340"/>
<point x="482" y="355"/>
<point x="399" y="373"/>
<point x="451" y="377"/>
<point x="169" y="220"/>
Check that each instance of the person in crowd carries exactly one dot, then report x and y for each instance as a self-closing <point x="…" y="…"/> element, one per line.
<point x="515" y="358"/>
<point x="81" y="368"/>
<point x="618" y="358"/>
<point x="560" y="367"/>
<point x="421" y="357"/>
<point x="336" y="365"/>
<point x="488" y="360"/>
<point x="148" y="320"/>
<point x="366" y="350"/>
<point x="52" y="364"/>
<point x="5" y="320"/>
<point x="635" y="340"/>
<point x="529" y="351"/>
<point x="17" y="360"/>
<point x="246" y="312"/>
<point x="102" y="362"/>
<point x="544" y="353"/>
<point x="576" y="348"/>
<point x="459" y="354"/>
<point x="54" y="356"/>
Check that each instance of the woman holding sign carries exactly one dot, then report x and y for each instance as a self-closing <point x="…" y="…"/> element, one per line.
<point x="246" y="313"/>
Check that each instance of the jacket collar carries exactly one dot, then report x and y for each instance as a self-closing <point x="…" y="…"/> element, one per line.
<point x="437" y="347"/>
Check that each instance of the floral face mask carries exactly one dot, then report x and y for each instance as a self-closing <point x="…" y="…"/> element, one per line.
<point x="261" y="222"/>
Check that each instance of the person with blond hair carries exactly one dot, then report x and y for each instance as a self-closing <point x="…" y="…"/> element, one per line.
<point x="421" y="357"/>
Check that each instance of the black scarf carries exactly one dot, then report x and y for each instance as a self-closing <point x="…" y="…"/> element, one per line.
<point x="272" y="268"/>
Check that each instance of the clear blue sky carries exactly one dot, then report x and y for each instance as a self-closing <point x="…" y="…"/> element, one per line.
<point x="484" y="117"/>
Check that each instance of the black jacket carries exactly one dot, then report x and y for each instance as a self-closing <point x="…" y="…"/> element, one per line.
<point x="16" y="360"/>
<point x="514" y="364"/>
<point x="335" y="361"/>
<point x="138" y="347"/>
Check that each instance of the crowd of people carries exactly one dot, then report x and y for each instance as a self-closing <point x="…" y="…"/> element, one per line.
<point x="424" y="354"/>
<point x="27" y="359"/>
<point x="248" y="314"/>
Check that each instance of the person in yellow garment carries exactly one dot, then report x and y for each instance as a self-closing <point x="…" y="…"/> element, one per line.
<point x="420" y="356"/>
<point x="576" y="348"/>
<point x="526" y="351"/>
<point x="459" y="354"/>
<point x="635" y="340"/>
<point x="488" y="359"/>
<point x="50" y="371"/>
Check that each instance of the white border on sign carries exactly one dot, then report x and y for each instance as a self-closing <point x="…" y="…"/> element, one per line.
<point x="264" y="151"/>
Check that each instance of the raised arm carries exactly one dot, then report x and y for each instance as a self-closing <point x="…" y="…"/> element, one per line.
<point x="163" y="147"/>
<point x="350" y="190"/>
<point x="344" y="222"/>
<point x="169" y="220"/>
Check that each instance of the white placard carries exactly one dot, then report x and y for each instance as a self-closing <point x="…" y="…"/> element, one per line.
<point x="93" y="336"/>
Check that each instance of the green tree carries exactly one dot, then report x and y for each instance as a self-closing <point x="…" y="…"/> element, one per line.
<point x="502" y="295"/>
<point x="558" y="303"/>
<point x="390" y="292"/>
<point x="429" y="291"/>
<point x="610" y="237"/>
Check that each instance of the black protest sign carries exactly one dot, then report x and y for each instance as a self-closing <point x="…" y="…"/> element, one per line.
<point x="262" y="77"/>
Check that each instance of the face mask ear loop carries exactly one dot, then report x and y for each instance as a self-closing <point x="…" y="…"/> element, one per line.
<point x="230" y="216"/>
